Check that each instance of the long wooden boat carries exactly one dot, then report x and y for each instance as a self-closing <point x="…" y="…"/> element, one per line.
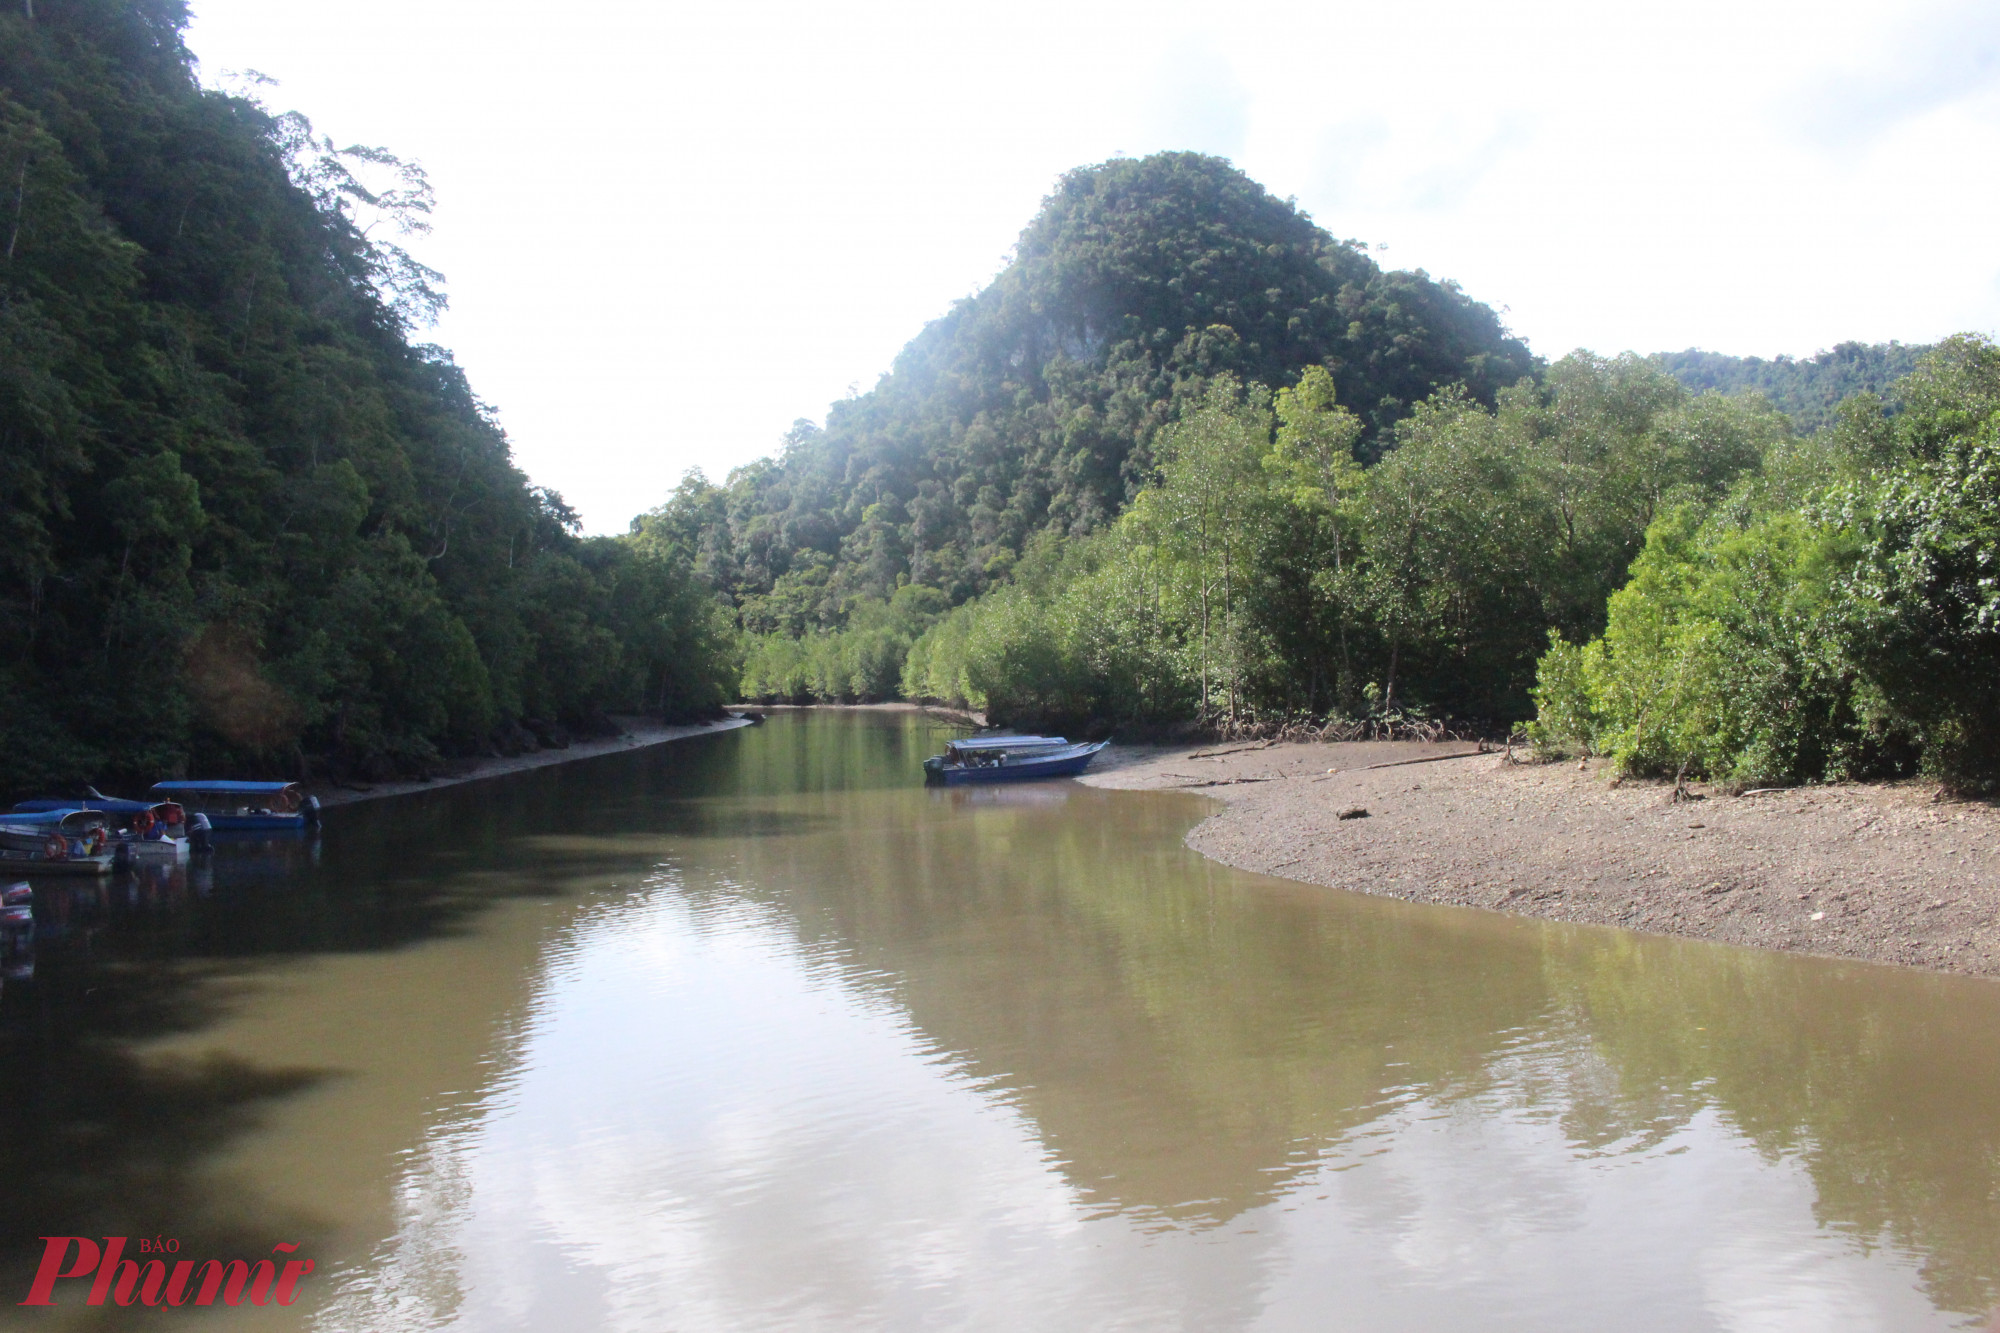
<point x="57" y="842"/>
<point x="244" y="805"/>
<point x="1008" y="759"/>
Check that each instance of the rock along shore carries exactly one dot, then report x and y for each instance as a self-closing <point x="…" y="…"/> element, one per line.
<point x="1890" y="873"/>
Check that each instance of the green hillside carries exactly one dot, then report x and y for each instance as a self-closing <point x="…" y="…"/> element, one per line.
<point x="250" y="523"/>
<point x="1032" y="406"/>
<point x="1806" y="390"/>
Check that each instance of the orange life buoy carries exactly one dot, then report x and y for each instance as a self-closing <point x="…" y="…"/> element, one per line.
<point x="142" y="823"/>
<point x="55" y="848"/>
<point x="97" y="840"/>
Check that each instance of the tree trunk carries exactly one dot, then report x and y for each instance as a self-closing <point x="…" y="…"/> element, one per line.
<point x="1229" y="629"/>
<point x="20" y="188"/>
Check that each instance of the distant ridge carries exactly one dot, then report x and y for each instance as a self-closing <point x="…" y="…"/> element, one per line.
<point x="1808" y="389"/>
<point x="1032" y="406"/>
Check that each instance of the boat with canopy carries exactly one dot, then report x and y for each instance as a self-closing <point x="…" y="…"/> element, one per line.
<point x="145" y="830"/>
<point x="1009" y="759"/>
<point x="267" y="806"/>
<point x="57" y="842"/>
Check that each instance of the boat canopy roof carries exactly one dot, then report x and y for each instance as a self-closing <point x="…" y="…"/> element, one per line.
<point x="68" y="820"/>
<point x="111" y="804"/>
<point x="1006" y="743"/>
<point x="231" y="788"/>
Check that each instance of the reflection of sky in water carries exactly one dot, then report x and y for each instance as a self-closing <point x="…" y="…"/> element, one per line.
<point x="709" y="1126"/>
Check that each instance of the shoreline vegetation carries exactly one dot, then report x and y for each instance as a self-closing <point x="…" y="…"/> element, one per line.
<point x="1115" y="493"/>
<point x="1896" y="873"/>
<point x="635" y="733"/>
<point x="251" y="523"/>
<point x="1190" y="464"/>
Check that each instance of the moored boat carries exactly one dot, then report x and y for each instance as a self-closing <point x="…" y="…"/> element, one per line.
<point x="141" y="830"/>
<point x="57" y="842"/>
<point x="1009" y="759"/>
<point x="264" y="806"/>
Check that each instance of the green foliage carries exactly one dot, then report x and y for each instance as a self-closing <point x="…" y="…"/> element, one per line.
<point x="1809" y="391"/>
<point x="1720" y="658"/>
<point x="1266" y="572"/>
<point x="1836" y="615"/>
<point x="246" y="524"/>
<point x="1926" y="581"/>
<point x="1035" y="405"/>
<point x="861" y="663"/>
<point x="1566" y="721"/>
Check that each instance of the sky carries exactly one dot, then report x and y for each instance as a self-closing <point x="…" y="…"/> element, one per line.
<point x="671" y="230"/>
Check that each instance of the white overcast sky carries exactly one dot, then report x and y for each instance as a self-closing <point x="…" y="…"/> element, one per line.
<point x="669" y="230"/>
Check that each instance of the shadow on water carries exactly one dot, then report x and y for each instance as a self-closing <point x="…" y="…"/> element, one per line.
<point x="97" y="1139"/>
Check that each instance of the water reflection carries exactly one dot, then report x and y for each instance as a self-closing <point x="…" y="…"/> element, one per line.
<point x="756" y="1032"/>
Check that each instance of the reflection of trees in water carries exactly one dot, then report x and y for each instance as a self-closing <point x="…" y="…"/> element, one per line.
<point x="1881" y="1082"/>
<point x="95" y="1140"/>
<point x="1189" y="1041"/>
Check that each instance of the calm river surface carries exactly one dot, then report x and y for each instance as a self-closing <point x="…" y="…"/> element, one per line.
<point x="755" y="1032"/>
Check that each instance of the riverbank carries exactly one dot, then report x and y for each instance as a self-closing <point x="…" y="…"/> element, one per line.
<point x="636" y="733"/>
<point x="1885" y="873"/>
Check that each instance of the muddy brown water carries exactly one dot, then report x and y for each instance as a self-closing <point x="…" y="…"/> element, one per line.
<point x="755" y="1032"/>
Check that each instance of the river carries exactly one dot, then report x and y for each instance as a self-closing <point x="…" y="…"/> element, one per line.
<point x="753" y="1031"/>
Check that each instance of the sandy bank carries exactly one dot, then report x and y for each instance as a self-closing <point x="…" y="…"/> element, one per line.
<point x="1891" y="873"/>
<point x="637" y="733"/>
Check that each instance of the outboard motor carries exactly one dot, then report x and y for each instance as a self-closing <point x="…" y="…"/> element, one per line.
<point x="311" y="811"/>
<point x="200" y="836"/>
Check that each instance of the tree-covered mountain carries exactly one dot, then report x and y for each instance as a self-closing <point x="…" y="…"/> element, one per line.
<point x="1033" y="406"/>
<point x="1808" y="390"/>
<point x="246" y="522"/>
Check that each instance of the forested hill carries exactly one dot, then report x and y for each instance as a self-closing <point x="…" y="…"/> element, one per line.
<point x="247" y="524"/>
<point x="1806" y="390"/>
<point x="1032" y="405"/>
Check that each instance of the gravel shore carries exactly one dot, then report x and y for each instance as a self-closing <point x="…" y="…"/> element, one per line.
<point x="1891" y="873"/>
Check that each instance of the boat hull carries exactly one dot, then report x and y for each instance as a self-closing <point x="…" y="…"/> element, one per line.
<point x="1060" y="766"/>
<point x="18" y="862"/>
<point x="155" y="849"/>
<point x="265" y="823"/>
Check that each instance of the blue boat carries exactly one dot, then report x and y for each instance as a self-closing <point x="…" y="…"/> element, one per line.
<point x="57" y="842"/>
<point x="266" y="806"/>
<point x="141" y="829"/>
<point x="1008" y="759"/>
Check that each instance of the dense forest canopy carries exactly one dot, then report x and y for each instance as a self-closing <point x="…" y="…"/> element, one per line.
<point x="1264" y="574"/>
<point x="1807" y="389"/>
<point x="250" y="523"/>
<point x="1189" y="459"/>
<point x="1835" y="613"/>
<point x="1032" y="407"/>
<point x="1186" y="459"/>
